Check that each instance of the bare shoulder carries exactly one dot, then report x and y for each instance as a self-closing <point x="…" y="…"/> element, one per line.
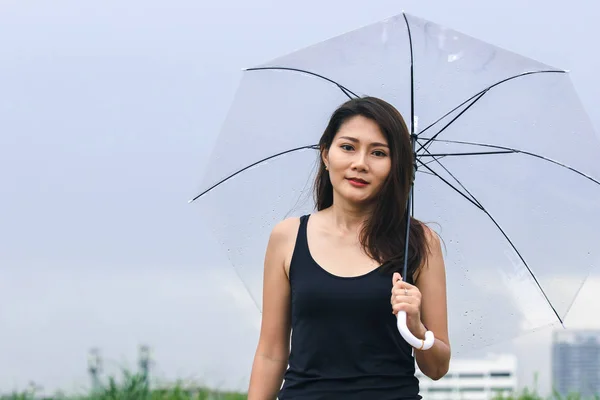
<point x="433" y="239"/>
<point x="285" y="229"/>
<point x="283" y="239"/>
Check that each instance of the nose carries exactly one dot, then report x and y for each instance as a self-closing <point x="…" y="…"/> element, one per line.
<point x="360" y="161"/>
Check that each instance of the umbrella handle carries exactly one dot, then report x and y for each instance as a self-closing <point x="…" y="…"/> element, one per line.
<point x="419" y="344"/>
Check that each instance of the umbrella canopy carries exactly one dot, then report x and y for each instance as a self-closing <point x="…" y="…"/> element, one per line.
<point x="508" y="165"/>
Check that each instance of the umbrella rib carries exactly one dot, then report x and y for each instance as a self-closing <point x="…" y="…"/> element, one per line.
<point x="313" y="147"/>
<point x="524" y="263"/>
<point x="514" y="150"/>
<point x="471" y="200"/>
<point x="436" y="159"/>
<point x="489" y="88"/>
<point x="425" y="172"/>
<point x="428" y="142"/>
<point x="482" y="208"/>
<point x="481" y="153"/>
<point x="344" y="89"/>
<point x="431" y="161"/>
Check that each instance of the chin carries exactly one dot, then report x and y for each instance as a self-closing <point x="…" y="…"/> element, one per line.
<point x="353" y="198"/>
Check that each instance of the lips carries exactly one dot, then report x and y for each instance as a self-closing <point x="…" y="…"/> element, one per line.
<point x="358" y="180"/>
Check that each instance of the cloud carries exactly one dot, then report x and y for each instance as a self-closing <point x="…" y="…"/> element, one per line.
<point x="586" y="308"/>
<point x="199" y="323"/>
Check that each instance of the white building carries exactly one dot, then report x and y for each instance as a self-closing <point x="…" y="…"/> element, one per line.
<point x="473" y="379"/>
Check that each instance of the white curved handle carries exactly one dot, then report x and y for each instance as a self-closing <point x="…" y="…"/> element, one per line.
<point x="411" y="339"/>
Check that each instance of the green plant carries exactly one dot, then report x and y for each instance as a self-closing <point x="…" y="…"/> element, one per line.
<point x="135" y="387"/>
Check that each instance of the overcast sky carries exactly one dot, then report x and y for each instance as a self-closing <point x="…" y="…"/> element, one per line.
<point x="108" y="111"/>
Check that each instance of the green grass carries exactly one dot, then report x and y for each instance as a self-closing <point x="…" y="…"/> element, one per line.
<point x="530" y="395"/>
<point x="134" y="387"/>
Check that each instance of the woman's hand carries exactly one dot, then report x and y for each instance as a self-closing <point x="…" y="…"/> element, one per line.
<point x="406" y="297"/>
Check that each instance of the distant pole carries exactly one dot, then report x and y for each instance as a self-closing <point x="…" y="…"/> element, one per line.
<point x="94" y="369"/>
<point x="144" y="363"/>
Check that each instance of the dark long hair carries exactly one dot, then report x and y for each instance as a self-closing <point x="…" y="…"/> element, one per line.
<point x="384" y="233"/>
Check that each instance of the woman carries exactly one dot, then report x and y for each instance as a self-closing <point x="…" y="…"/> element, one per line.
<point x="332" y="278"/>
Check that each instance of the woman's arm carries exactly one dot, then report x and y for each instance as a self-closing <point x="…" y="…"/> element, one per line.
<point x="272" y="353"/>
<point x="431" y="281"/>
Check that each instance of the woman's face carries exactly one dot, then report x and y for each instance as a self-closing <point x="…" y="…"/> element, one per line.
<point x="358" y="160"/>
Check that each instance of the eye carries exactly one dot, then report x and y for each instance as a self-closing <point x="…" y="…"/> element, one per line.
<point x="379" y="153"/>
<point x="346" y="147"/>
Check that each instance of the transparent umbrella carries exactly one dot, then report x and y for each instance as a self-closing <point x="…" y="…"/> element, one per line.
<point x="508" y="166"/>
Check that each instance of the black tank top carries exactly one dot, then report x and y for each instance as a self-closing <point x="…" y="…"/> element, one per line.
<point x="345" y="343"/>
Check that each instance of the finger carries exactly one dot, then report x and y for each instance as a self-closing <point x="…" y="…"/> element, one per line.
<point x="399" y="281"/>
<point x="403" y="289"/>
<point x="399" y="296"/>
<point x="405" y="285"/>
<point x="408" y="308"/>
<point x="403" y="299"/>
<point x="396" y="277"/>
<point x="399" y="285"/>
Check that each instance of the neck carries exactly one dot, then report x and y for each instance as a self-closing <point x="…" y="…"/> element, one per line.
<point x="348" y="218"/>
